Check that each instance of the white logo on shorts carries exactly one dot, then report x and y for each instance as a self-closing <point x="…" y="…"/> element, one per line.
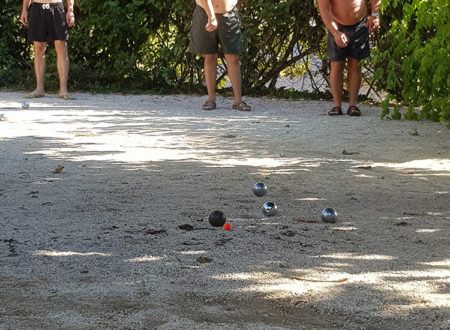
<point x="45" y="6"/>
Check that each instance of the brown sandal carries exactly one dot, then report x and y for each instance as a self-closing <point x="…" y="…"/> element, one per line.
<point x="353" y="111"/>
<point x="335" y="111"/>
<point x="242" y="106"/>
<point x="209" y="105"/>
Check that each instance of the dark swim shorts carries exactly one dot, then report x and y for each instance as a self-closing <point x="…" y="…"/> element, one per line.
<point x="47" y="22"/>
<point x="227" y="35"/>
<point x="358" y="42"/>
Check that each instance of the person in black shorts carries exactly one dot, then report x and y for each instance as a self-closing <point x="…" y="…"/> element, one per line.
<point x="348" y="27"/>
<point x="216" y="27"/>
<point x="47" y="22"/>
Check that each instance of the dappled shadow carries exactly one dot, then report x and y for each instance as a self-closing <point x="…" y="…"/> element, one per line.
<point x="102" y="241"/>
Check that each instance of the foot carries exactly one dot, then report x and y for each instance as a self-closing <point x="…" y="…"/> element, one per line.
<point x="242" y="106"/>
<point x="209" y="105"/>
<point x="35" y="94"/>
<point x="353" y="111"/>
<point x="335" y="111"/>
<point x="66" y="96"/>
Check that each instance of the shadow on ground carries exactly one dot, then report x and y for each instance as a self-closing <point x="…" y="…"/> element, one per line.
<point x="121" y="238"/>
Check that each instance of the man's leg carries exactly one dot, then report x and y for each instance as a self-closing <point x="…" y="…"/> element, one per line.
<point x="354" y="80"/>
<point x="337" y="81"/>
<point x="210" y="71"/>
<point x="62" y="63"/>
<point x="39" y="68"/>
<point x="234" y="73"/>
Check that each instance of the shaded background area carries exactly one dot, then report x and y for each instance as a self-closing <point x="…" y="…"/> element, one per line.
<point x="100" y="244"/>
<point x="142" y="46"/>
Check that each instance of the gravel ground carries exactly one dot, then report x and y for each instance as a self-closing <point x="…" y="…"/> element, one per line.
<point x="120" y="237"/>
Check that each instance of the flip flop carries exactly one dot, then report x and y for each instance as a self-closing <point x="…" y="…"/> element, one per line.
<point x="335" y="111"/>
<point x="209" y="105"/>
<point x="353" y="111"/>
<point x="242" y="106"/>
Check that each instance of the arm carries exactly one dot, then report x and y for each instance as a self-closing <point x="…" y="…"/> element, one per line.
<point x="24" y="14"/>
<point x="373" y="21"/>
<point x="375" y="6"/>
<point x="325" y="13"/>
<point x="70" y="17"/>
<point x="209" y="8"/>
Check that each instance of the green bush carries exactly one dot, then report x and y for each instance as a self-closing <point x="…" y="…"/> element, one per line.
<point x="14" y="51"/>
<point x="413" y="58"/>
<point x="143" y="45"/>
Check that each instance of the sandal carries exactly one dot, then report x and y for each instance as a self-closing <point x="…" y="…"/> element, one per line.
<point x="209" y="105"/>
<point x="242" y="106"/>
<point x="335" y="111"/>
<point x="353" y="111"/>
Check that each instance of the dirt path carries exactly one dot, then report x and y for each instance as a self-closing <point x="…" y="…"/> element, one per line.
<point x="99" y="245"/>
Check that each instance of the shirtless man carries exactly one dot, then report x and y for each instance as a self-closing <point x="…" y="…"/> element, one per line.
<point x="47" y="22"/>
<point x="216" y="23"/>
<point x="348" y="27"/>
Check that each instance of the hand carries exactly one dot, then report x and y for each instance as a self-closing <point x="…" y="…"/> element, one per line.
<point x="340" y="39"/>
<point x="70" y="19"/>
<point x="212" y="24"/>
<point x="373" y="23"/>
<point x="24" y="17"/>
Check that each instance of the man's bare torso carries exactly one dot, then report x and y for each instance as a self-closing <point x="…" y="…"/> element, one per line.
<point x="348" y="12"/>
<point x="220" y="6"/>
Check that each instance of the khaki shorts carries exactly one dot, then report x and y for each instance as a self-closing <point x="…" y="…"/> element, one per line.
<point x="227" y="36"/>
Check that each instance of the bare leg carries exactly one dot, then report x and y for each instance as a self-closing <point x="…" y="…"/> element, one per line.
<point x="234" y="73"/>
<point x="39" y="68"/>
<point x="337" y="81"/>
<point x="354" y="80"/>
<point x="210" y="69"/>
<point x="62" y="63"/>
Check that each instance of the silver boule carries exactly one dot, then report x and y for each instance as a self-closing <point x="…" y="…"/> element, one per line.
<point x="259" y="189"/>
<point x="328" y="215"/>
<point x="25" y="105"/>
<point x="269" y="209"/>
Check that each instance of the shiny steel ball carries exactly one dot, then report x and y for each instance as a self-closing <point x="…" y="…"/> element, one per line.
<point x="217" y="218"/>
<point x="259" y="189"/>
<point x="25" y="105"/>
<point x="328" y="215"/>
<point x="269" y="209"/>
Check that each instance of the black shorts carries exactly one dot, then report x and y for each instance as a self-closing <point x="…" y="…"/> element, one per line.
<point x="227" y="35"/>
<point x="47" y="22"/>
<point x="358" y="42"/>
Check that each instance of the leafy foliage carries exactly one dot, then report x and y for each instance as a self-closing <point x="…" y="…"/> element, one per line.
<point x="413" y="58"/>
<point x="140" y="44"/>
<point x="126" y="45"/>
<point x="14" y="51"/>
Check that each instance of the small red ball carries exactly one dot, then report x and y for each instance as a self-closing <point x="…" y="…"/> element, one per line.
<point x="227" y="226"/>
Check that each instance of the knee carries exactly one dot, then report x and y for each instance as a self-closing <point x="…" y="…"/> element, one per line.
<point x="61" y="49"/>
<point x="232" y="59"/>
<point x="39" y="49"/>
<point x="210" y="59"/>
<point x="353" y="64"/>
<point x="337" y="66"/>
